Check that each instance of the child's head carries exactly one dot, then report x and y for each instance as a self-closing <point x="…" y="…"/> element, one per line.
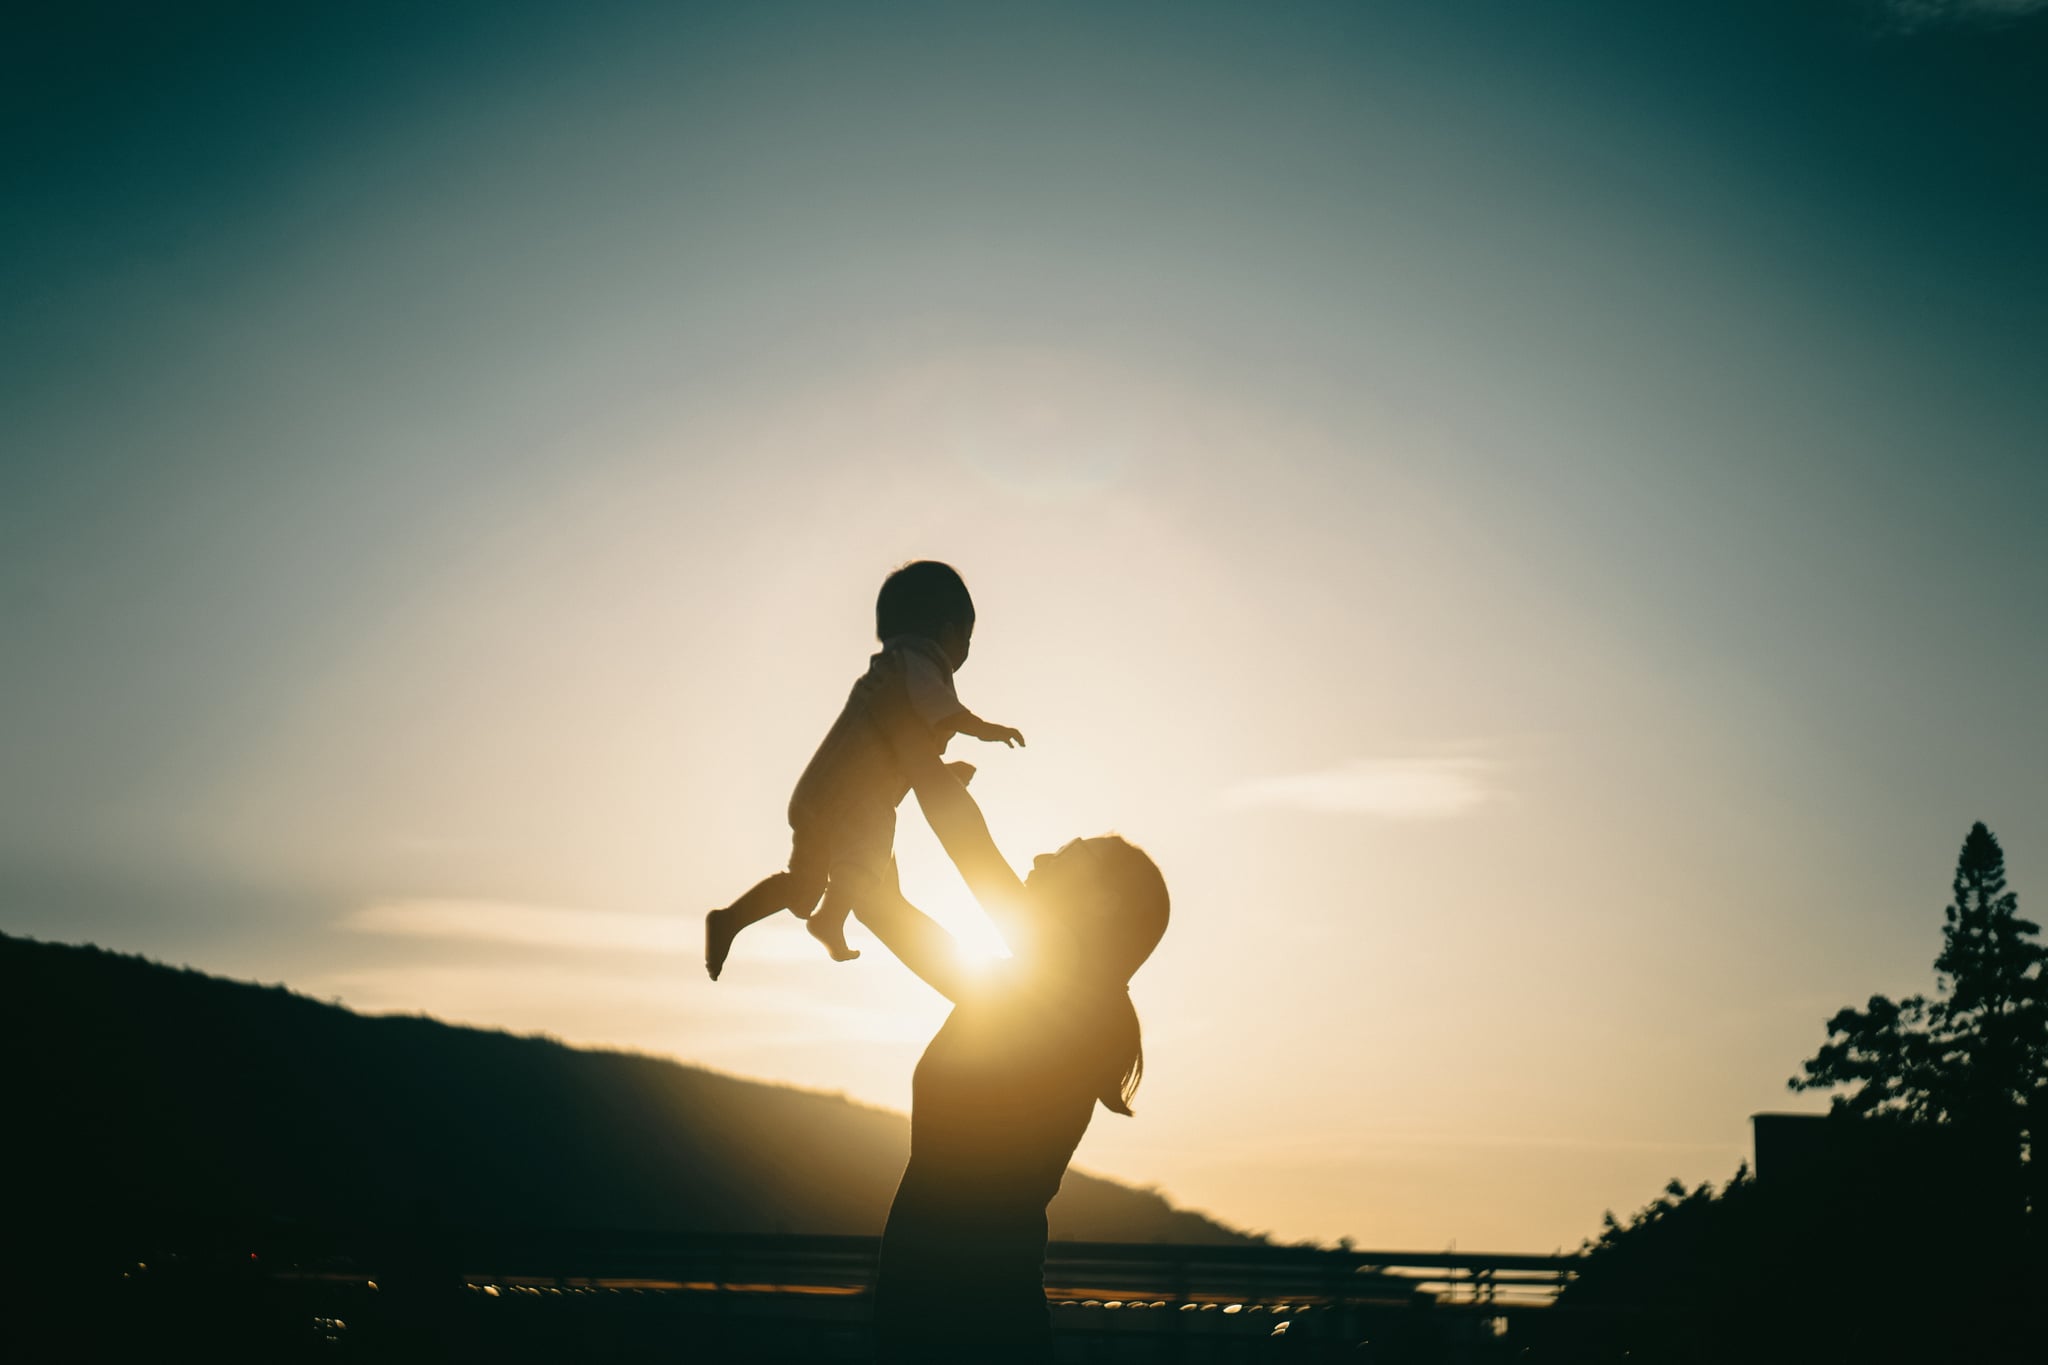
<point x="928" y="599"/>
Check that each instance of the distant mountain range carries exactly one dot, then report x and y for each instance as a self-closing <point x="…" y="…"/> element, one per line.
<point x="144" y="1091"/>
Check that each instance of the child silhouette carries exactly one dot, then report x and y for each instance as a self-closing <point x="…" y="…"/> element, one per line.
<point x="842" y="816"/>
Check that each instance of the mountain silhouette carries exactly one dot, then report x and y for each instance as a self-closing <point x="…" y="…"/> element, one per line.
<point x="142" y="1092"/>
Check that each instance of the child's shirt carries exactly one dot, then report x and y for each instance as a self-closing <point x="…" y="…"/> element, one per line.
<point x="856" y="763"/>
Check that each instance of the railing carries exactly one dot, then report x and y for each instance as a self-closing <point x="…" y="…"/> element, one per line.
<point x="1077" y="1271"/>
<point x="518" y="1296"/>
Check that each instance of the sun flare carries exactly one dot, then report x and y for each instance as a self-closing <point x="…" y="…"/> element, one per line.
<point x="931" y="884"/>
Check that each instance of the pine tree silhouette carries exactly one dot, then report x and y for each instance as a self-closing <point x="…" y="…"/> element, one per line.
<point x="1977" y="1054"/>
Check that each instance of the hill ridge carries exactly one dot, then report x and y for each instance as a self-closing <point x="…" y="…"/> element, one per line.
<point x="169" y="1091"/>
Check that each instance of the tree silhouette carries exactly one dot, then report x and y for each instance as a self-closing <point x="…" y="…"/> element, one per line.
<point x="1845" y="1253"/>
<point x="1976" y="1055"/>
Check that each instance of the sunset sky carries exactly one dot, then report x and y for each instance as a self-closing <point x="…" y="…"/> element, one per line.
<point x="1533" y="514"/>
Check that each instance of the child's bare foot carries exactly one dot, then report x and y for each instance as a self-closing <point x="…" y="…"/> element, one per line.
<point x="963" y="772"/>
<point x="718" y="935"/>
<point x="830" y="930"/>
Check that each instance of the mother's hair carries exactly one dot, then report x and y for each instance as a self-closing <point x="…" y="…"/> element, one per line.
<point x="1129" y="919"/>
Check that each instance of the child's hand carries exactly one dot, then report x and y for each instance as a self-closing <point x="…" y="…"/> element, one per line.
<point x="1000" y="734"/>
<point x="988" y="732"/>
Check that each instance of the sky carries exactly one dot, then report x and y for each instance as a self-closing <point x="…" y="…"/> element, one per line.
<point x="1532" y="515"/>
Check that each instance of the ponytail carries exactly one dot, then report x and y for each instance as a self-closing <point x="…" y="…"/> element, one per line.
<point x="1126" y="1049"/>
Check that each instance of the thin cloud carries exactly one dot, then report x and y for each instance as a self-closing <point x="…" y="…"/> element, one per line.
<point x="1389" y="788"/>
<point x="745" y="1014"/>
<point x="585" y="1004"/>
<point x="545" y="926"/>
<point x="1344" y="1146"/>
<point x="1909" y="15"/>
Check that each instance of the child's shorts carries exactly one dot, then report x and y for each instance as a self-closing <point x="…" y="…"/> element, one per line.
<point x="859" y="836"/>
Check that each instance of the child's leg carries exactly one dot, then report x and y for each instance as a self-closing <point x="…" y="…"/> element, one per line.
<point x="862" y="844"/>
<point x="797" y="890"/>
<point x="828" y="922"/>
<point x="782" y="891"/>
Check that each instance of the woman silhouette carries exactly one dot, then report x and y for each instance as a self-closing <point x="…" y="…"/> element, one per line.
<point x="1006" y="1088"/>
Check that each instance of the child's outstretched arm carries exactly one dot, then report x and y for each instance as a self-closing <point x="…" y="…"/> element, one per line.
<point x="987" y="731"/>
<point x="927" y="692"/>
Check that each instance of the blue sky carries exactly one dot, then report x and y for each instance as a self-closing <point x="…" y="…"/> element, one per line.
<point x="1531" y="512"/>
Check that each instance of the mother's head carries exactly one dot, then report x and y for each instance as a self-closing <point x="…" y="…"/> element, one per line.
<point x="1098" y="907"/>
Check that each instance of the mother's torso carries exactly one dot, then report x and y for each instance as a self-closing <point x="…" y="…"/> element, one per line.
<point x="999" y="1102"/>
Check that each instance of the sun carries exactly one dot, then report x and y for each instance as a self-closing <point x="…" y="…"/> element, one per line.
<point x="932" y="885"/>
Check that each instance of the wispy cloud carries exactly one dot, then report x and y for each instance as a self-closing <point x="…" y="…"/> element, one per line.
<point x="1391" y="788"/>
<point x="1910" y="15"/>
<point x="592" y="1003"/>
<point x="545" y="926"/>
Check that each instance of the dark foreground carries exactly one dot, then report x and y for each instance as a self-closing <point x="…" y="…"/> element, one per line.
<point x="424" y="1295"/>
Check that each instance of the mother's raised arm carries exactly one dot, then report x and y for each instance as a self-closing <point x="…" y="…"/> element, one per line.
<point x="914" y="937"/>
<point x="954" y="815"/>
